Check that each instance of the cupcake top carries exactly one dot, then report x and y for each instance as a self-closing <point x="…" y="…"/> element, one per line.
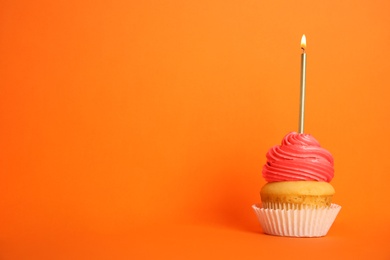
<point x="299" y="157"/>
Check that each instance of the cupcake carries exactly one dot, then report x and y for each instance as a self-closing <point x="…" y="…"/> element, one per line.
<point x="297" y="198"/>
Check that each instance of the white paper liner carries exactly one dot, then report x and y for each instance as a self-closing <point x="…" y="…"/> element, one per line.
<point x="297" y="222"/>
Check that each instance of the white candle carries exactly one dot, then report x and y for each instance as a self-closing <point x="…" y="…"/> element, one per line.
<point x="303" y="85"/>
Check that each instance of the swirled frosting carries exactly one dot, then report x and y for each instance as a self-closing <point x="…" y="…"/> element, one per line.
<point x="299" y="157"/>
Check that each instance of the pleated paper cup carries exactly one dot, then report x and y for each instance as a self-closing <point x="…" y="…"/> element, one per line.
<point x="296" y="222"/>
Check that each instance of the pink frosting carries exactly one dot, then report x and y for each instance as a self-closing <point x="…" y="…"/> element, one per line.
<point x="299" y="157"/>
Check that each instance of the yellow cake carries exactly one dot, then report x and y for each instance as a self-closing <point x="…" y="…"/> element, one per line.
<point x="296" y="194"/>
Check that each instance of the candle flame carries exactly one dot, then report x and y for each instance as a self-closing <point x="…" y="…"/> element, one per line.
<point x="303" y="42"/>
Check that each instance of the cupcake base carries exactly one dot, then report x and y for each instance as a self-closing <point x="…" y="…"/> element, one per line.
<point x="296" y="194"/>
<point x="296" y="222"/>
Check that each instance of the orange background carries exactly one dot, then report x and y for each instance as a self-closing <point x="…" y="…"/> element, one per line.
<point x="138" y="129"/>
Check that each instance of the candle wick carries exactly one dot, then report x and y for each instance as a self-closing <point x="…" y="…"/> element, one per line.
<point x="303" y="49"/>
